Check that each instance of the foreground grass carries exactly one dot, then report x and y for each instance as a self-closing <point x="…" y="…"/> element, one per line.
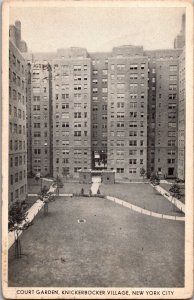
<point x="142" y="195"/>
<point x="115" y="247"/>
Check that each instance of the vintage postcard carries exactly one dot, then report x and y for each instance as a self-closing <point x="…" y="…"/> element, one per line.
<point x="97" y="149"/>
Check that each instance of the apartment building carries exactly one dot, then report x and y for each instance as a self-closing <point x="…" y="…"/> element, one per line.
<point x="181" y="118"/>
<point x="127" y="111"/>
<point x="163" y="95"/>
<point x="39" y="107"/>
<point x="17" y="116"/>
<point x="71" y="94"/>
<point x="99" y="102"/>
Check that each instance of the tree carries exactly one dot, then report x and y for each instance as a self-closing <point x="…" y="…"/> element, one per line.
<point x="154" y="179"/>
<point x="46" y="197"/>
<point x="37" y="177"/>
<point x="65" y="172"/>
<point x="58" y="183"/>
<point x="18" y="222"/>
<point x="142" y="172"/>
<point x="175" y="191"/>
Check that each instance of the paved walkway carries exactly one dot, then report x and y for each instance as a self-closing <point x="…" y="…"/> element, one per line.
<point x="96" y="181"/>
<point x="144" y="211"/>
<point x="32" y="212"/>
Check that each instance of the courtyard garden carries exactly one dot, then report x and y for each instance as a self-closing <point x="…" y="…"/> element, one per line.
<point x="110" y="246"/>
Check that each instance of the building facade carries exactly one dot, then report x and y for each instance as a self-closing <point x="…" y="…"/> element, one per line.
<point x="99" y="103"/>
<point x="181" y="118"/>
<point x="39" y="107"/>
<point x="163" y="95"/>
<point x="71" y="94"/>
<point x="127" y="111"/>
<point x="17" y="116"/>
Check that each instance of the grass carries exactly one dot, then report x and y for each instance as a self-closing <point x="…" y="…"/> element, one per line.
<point x="182" y="189"/>
<point x="142" y="195"/>
<point x="115" y="247"/>
<point x="34" y="187"/>
<point x="74" y="188"/>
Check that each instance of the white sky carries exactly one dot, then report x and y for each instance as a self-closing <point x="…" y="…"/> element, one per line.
<point x="97" y="29"/>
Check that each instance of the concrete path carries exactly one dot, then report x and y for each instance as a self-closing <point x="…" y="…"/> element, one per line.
<point x="31" y="213"/>
<point x="144" y="211"/>
<point x="173" y="200"/>
<point x="96" y="181"/>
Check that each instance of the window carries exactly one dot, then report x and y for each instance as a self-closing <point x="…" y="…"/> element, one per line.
<point x="171" y="106"/>
<point x="132" y="133"/>
<point x="133" y="85"/>
<point x="171" y="124"/>
<point x="36" y="107"/>
<point x="172" y="87"/>
<point x="133" y="104"/>
<point x="173" y="68"/>
<point x="132" y="152"/>
<point x="132" y="171"/>
<point x="172" y="96"/>
<point x="171" y="143"/>
<point x="120" y="96"/>
<point x="120" y="115"/>
<point x="120" y="124"/>
<point x="171" y="160"/>
<point x="65" y="96"/>
<point x="120" y="133"/>
<point x="172" y="133"/>
<point x="65" y="124"/>
<point x="132" y="143"/>
<point x="133" y="114"/>
<point x="77" y="114"/>
<point x="133" y="67"/>
<point x="120" y="104"/>
<point x="120" y="170"/>
<point x="132" y="124"/>
<point x="133" y="96"/>
<point x="77" y="133"/>
<point x="120" y="67"/>
<point x="104" y="90"/>
<point x="173" y="77"/>
<point x="132" y="161"/>
<point x="120" y="143"/>
<point x="133" y="76"/>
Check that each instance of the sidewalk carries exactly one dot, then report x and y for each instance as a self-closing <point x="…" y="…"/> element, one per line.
<point x="96" y="181"/>
<point x="31" y="213"/>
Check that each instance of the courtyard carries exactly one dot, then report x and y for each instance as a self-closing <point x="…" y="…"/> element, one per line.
<point x="112" y="247"/>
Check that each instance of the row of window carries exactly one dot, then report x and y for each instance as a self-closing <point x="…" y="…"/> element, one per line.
<point x="16" y="80"/>
<point x="15" y="128"/>
<point x="17" y="161"/>
<point x="16" y="62"/>
<point x="17" y="177"/>
<point x="18" y="192"/>
<point x="17" y="145"/>
<point x="17" y="112"/>
<point x="17" y="96"/>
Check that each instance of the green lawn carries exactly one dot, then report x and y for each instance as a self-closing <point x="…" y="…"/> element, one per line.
<point x="168" y="186"/>
<point x="34" y="187"/>
<point x="74" y="188"/>
<point x="142" y="195"/>
<point x="115" y="247"/>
